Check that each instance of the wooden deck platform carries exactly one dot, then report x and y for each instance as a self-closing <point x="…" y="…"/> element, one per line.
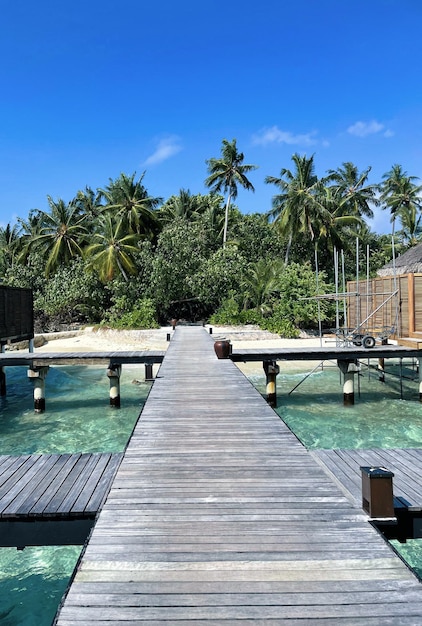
<point x="219" y="516"/>
<point x="325" y="353"/>
<point x="406" y="464"/>
<point x="39" y="359"/>
<point x="51" y="486"/>
<point x="52" y="499"/>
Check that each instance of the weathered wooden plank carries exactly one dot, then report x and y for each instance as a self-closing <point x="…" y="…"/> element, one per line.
<point x="44" y="471"/>
<point x="19" y="479"/>
<point x="103" y="486"/>
<point x="64" y="464"/>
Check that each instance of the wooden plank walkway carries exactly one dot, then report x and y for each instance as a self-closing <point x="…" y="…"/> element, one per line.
<point x="55" y="486"/>
<point x="324" y="353"/>
<point x="38" y="359"/>
<point x="219" y="516"/>
<point x="406" y="464"/>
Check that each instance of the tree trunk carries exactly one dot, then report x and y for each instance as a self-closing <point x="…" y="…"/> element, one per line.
<point x="226" y="219"/>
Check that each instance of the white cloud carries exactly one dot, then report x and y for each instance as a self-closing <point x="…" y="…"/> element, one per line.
<point x="363" y="129"/>
<point x="388" y="133"/>
<point x="166" y="148"/>
<point x="275" y="135"/>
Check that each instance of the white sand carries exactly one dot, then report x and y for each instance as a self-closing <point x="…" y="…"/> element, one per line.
<point x="241" y="337"/>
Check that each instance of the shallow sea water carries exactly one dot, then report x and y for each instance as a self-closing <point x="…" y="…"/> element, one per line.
<point x="78" y="418"/>
<point x="314" y="411"/>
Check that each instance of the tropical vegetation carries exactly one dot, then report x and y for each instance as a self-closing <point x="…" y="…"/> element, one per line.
<point x="119" y="257"/>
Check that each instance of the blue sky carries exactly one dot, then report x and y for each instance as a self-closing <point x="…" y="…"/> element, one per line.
<point x="93" y="88"/>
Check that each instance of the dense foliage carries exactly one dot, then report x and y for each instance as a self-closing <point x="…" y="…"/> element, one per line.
<point x="120" y="257"/>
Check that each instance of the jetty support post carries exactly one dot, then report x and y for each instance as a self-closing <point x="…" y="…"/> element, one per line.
<point x="349" y="369"/>
<point x="381" y="370"/>
<point x="420" y="378"/>
<point x="114" y="372"/>
<point x="271" y="370"/>
<point x="2" y="382"/>
<point x="38" y="376"/>
<point x="148" y="372"/>
<point x="2" y="374"/>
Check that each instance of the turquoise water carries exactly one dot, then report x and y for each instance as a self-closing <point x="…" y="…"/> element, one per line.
<point x="378" y="419"/>
<point x="78" y="418"/>
<point x="32" y="582"/>
<point x="411" y="553"/>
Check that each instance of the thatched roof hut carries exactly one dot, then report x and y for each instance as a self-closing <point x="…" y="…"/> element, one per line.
<point x="410" y="262"/>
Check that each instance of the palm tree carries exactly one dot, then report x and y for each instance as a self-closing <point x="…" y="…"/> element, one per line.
<point x="410" y="232"/>
<point x="128" y="199"/>
<point x="113" y="249"/>
<point x="60" y="235"/>
<point x="260" y="281"/>
<point x="298" y="208"/>
<point x="184" y="205"/>
<point x="399" y="193"/>
<point x="337" y="227"/>
<point x="354" y="194"/>
<point x="226" y="173"/>
<point x="9" y="245"/>
<point x="89" y="203"/>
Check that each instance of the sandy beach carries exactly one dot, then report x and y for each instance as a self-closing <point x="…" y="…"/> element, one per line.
<point x="92" y="339"/>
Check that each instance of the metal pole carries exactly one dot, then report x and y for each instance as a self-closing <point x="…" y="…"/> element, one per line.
<point x="336" y="281"/>
<point x="319" y="305"/>
<point x="357" y="286"/>
<point x="344" y="290"/>
<point x="367" y="281"/>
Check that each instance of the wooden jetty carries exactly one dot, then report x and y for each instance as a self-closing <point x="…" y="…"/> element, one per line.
<point x="40" y="359"/>
<point x="41" y="493"/>
<point x="325" y="353"/>
<point x="219" y="516"/>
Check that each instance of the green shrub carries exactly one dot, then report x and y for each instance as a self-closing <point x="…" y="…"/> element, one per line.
<point x="141" y="316"/>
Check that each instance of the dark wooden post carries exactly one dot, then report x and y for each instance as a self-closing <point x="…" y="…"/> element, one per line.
<point x="271" y="370"/>
<point x="2" y="382"/>
<point x="2" y="374"/>
<point x="377" y="492"/>
<point x="148" y="372"/>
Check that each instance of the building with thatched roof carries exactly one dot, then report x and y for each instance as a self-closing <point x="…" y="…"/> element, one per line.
<point x="410" y="262"/>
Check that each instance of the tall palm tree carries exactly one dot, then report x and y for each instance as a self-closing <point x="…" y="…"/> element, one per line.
<point x="226" y="173"/>
<point x="298" y="208"/>
<point x="60" y="234"/>
<point x="128" y="199"/>
<point x="112" y="249"/>
<point x="337" y="226"/>
<point x="400" y="193"/>
<point x="354" y="194"/>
